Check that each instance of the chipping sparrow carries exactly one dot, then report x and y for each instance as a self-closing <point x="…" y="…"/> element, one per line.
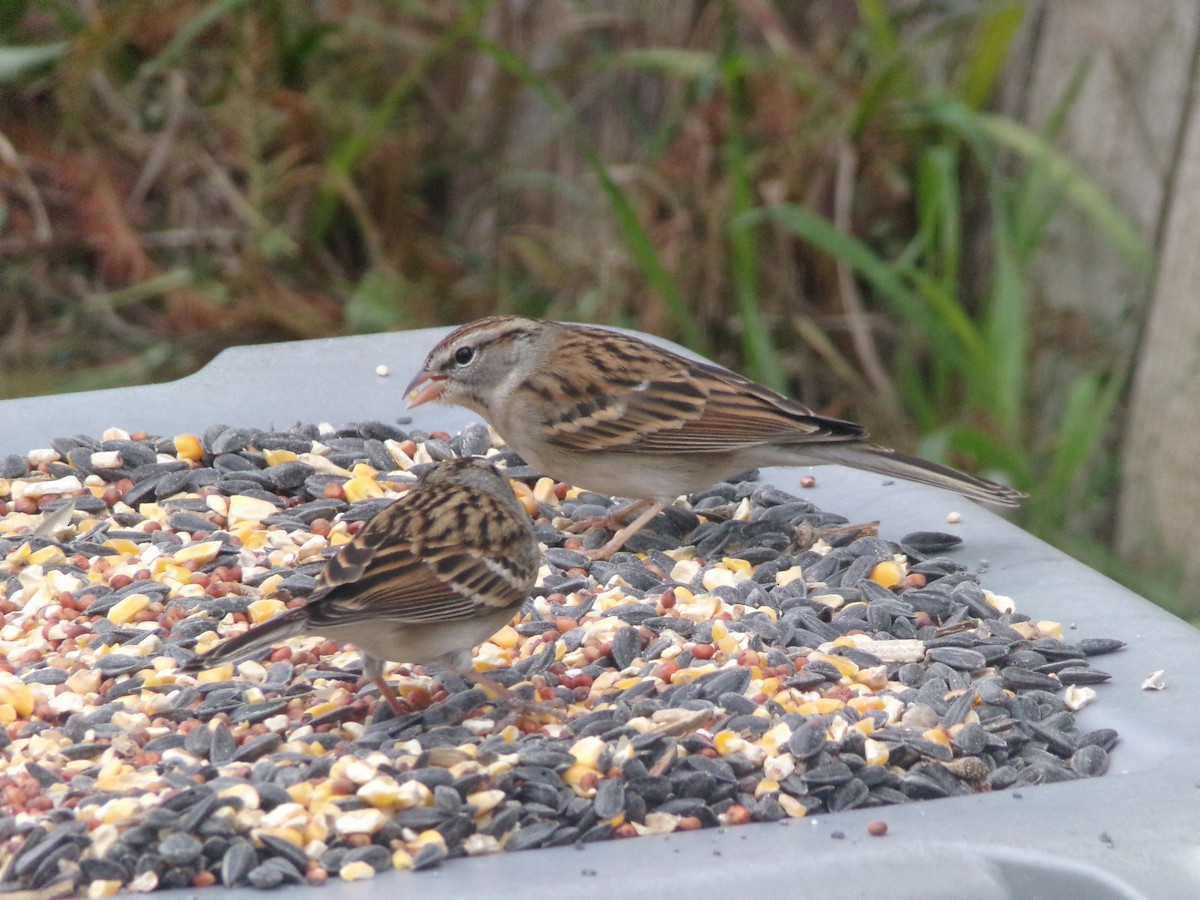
<point x="425" y="580"/>
<point x="617" y="415"/>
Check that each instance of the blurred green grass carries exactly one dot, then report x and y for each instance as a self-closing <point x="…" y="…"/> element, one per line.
<point x="820" y="195"/>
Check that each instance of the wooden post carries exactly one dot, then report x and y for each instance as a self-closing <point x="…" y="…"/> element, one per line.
<point x="1133" y="128"/>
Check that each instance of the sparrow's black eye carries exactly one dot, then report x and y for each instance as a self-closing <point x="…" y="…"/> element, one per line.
<point x="464" y="355"/>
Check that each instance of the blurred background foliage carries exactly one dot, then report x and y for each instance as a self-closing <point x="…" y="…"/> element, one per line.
<point x="818" y="194"/>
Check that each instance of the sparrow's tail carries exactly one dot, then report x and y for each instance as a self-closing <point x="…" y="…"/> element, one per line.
<point x="273" y="631"/>
<point x="912" y="468"/>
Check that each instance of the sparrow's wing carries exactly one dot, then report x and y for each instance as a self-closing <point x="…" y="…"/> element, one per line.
<point x="654" y="401"/>
<point x="414" y="562"/>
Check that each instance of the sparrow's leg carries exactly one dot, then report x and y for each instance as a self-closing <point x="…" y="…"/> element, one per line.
<point x="610" y="522"/>
<point x="619" y="539"/>
<point x="462" y="664"/>
<point x="373" y="670"/>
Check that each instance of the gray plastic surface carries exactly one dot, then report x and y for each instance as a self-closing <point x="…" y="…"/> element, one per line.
<point x="1132" y="833"/>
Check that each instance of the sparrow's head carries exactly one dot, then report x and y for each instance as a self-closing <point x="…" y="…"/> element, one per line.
<point x="476" y="365"/>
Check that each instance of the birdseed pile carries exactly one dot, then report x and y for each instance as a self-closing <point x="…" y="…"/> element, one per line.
<point x="752" y="658"/>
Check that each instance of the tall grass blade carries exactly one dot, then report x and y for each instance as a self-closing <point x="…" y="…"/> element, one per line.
<point x="16" y="61"/>
<point x="637" y="239"/>
<point x="757" y="346"/>
<point x="1078" y="188"/>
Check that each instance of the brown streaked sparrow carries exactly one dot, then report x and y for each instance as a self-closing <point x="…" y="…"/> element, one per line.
<point x="620" y="416"/>
<point x="425" y="580"/>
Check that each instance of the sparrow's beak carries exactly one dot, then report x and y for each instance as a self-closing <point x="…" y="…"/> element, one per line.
<point x="425" y="387"/>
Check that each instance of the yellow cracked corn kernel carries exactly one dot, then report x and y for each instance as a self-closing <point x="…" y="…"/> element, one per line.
<point x="787" y="576"/>
<point x="188" y="446"/>
<point x="793" y="807"/>
<point x="261" y="610"/>
<point x="362" y="488"/>
<point x="381" y="791"/>
<point x="874" y="677"/>
<point x="887" y="573"/>
<point x="321" y="708"/>
<point x="820" y="707"/>
<point x="220" y="673"/>
<point x="200" y="552"/>
<point x="726" y="742"/>
<point x="47" y="556"/>
<point x="128" y="607"/>
<point x="525" y="495"/>
<point x="430" y="836"/>
<point x="103" y="888"/>
<point x="157" y="678"/>
<point x="247" y="509"/>
<point x="506" y="638"/>
<point x="317" y="828"/>
<point x="841" y="663"/>
<point x="864" y="703"/>
<point x="876" y="752"/>
<point x="275" y="457"/>
<point x="740" y="566"/>
<point x="358" y="871"/>
<point x="413" y="793"/>
<point x="543" y="492"/>
<point x="1050" y="629"/>
<point x="249" y="798"/>
<point x="19" y="556"/>
<point x="833" y="601"/>
<point x="361" y="821"/>
<point x="938" y="736"/>
<point x="270" y="585"/>
<point x="775" y="738"/>
<point x="573" y="778"/>
<point x="83" y="682"/>
<point x="732" y="643"/>
<point x="684" y="571"/>
<point x="485" y="801"/>
<point x="16" y="694"/>
<point x="690" y="674"/>
<point x="120" y="809"/>
<point x="764" y="787"/>
<point x="587" y="750"/>
<point x="715" y="578"/>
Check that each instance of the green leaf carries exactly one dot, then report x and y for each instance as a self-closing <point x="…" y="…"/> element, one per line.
<point x="378" y="303"/>
<point x="986" y="53"/>
<point x="1090" y="405"/>
<point x="16" y="61"/>
<point x="637" y="238"/>
<point x="992" y="454"/>
<point x="350" y="152"/>
<point x="878" y="21"/>
<point x="674" y="61"/>
<point x="1078" y="188"/>
<point x="1007" y="337"/>
<point x="939" y="212"/>
<point x="187" y="35"/>
<point x="927" y="306"/>
<point x="757" y="345"/>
